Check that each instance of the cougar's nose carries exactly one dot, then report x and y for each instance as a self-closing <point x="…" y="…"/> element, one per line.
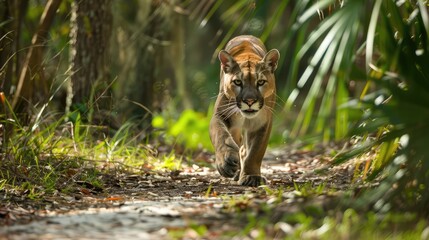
<point x="249" y="101"/>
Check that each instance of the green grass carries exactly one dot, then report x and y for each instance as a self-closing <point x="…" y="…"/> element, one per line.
<point x="48" y="154"/>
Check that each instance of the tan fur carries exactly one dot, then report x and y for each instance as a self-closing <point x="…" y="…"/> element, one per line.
<point x="242" y="119"/>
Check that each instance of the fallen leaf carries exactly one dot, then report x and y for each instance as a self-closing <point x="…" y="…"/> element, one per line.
<point x="85" y="191"/>
<point x="114" y="198"/>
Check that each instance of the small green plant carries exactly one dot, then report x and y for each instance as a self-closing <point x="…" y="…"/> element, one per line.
<point x="237" y="203"/>
<point x="2" y="183"/>
<point x="200" y="229"/>
<point x="308" y="189"/>
<point x="92" y="177"/>
<point x="190" y="129"/>
<point x="170" y="162"/>
<point x="32" y="191"/>
<point x="50" y="180"/>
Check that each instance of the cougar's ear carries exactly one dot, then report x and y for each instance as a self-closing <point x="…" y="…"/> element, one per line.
<point x="228" y="64"/>
<point x="271" y="59"/>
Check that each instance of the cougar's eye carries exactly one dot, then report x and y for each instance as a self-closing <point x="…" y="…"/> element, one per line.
<point x="237" y="82"/>
<point x="261" y="82"/>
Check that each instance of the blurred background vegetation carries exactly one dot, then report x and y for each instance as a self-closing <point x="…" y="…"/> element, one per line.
<point x="354" y="72"/>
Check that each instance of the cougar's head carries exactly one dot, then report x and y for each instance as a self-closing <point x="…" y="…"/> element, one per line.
<point x="249" y="80"/>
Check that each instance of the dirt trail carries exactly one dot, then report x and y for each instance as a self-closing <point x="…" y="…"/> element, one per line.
<point x="151" y="206"/>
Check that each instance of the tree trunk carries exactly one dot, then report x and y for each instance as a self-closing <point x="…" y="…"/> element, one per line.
<point x="11" y="15"/>
<point x="151" y="59"/>
<point x="178" y="61"/>
<point x="31" y="85"/>
<point x="143" y="38"/>
<point x="91" y="24"/>
<point x="7" y="39"/>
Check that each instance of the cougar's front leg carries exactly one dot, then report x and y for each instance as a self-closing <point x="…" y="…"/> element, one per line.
<point x="226" y="148"/>
<point x="256" y="144"/>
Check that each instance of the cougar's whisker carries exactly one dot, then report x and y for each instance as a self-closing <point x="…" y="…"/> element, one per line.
<point x="272" y="110"/>
<point x="227" y="110"/>
<point x="232" y="112"/>
<point x="275" y="103"/>
<point x="281" y="99"/>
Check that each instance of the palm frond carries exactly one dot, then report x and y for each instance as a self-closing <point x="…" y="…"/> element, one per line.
<point x="330" y="66"/>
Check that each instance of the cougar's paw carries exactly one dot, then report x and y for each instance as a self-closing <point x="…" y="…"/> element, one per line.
<point x="229" y="166"/>
<point x="252" y="180"/>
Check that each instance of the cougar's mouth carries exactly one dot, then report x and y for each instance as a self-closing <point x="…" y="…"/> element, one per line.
<point x="249" y="113"/>
<point x="249" y="110"/>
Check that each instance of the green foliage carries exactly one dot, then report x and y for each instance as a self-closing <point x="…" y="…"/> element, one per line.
<point x="351" y="225"/>
<point x="190" y="129"/>
<point x="201" y="230"/>
<point x="398" y="111"/>
<point x="170" y="162"/>
<point x="307" y="189"/>
<point x="381" y="47"/>
<point x="49" y="154"/>
<point x="335" y="43"/>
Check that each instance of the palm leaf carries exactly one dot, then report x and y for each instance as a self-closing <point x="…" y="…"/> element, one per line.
<point x="399" y="37"/>
<point x="333" y="58"/>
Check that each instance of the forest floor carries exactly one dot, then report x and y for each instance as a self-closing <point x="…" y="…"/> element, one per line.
<point x="192" y="203"/>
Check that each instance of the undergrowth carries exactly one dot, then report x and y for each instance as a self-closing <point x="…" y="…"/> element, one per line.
<point x="297" y="213"/>
<point x="49" y="154"/>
